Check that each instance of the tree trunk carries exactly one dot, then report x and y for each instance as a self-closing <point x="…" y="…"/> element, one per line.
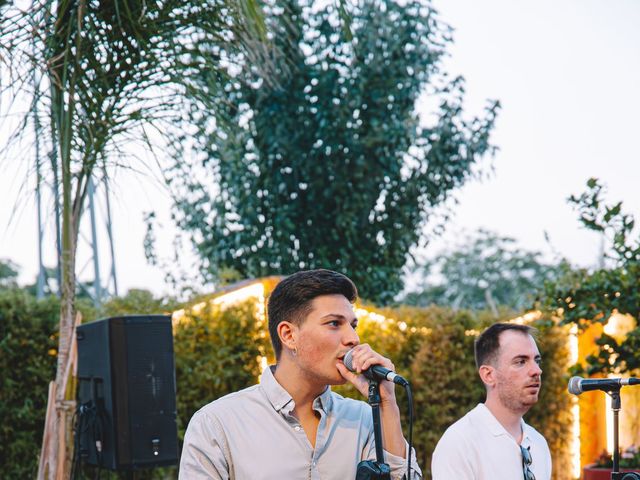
<point x="491" y="302"/>
<point x="59" y="451"/>
<point x="65" y="396"/>
<point x="57" y="441"/>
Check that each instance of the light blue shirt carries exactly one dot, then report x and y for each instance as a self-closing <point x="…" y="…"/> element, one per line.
<point x="252" y="435"/>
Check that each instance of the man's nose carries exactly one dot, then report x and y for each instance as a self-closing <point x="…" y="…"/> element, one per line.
<point x="351" y="338"/>
<point x="536" y="371"/>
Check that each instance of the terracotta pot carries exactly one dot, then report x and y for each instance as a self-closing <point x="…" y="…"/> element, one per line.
<point x="590" y="472"/>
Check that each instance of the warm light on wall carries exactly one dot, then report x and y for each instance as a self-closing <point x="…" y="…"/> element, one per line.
<point x="228" y="299"/>
<point x="240" y="295"/>
<point x="619" y="325"/>
<point x="385" y="322"/>
<point x="264" y="363"/>
<point x="575" y="408"/>
<point x="527" y="317"/>
<point x="253" y="291"/>
<point x="609" y="420"/>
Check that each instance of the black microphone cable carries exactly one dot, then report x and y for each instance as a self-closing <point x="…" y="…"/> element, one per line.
<point x="84" y="423"/>
<point x="98" y="439"/>
<point x="407" y="389"/>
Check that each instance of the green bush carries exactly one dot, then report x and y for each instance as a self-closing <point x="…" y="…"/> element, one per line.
<point x="28" y="342"/>
<point x="137" y="302"/>
<point x="28" y="355"/>
<point x="443" y="376"/>
<point x="218" y="351"/>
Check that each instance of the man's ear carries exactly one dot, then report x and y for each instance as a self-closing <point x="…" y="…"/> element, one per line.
<point x="287" y="332"/>
<point x="487" y="375"/>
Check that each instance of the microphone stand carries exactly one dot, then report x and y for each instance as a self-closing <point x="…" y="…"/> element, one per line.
<point x="615" y="407"/>
<point x="368" y="469"/>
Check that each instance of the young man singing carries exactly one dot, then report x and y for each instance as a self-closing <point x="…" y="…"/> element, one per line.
<point x="291" y="425"/>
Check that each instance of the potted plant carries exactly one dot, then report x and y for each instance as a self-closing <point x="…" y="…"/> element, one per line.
<point x="601" y="469"/>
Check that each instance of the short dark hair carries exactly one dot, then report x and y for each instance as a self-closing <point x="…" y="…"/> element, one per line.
<point x="487" y="345"/>
<point x="291" y="299"/>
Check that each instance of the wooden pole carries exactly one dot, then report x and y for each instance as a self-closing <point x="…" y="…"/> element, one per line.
<point x="59" y="418"/>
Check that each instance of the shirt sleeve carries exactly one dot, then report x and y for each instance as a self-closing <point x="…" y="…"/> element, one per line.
<point x="205" y="452"/>
<point x="449" y="460"/>
<point x="397" y="465"/>
<point x="549" y="460"/>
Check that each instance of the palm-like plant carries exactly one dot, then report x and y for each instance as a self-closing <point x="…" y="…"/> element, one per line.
<point x="101" y="74"/>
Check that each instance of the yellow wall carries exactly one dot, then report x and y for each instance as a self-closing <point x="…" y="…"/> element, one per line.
<point x="593" y="431"/>
<point x="593" y="405"/>
<point x="630" y="417"/>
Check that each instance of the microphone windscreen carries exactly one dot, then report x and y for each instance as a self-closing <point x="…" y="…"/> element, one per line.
<point x="348" y="360"/>
<point x="575" y="386"/>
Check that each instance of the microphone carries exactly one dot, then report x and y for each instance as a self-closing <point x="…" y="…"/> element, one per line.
<point x="375" y="372"/>
<point x="577" y="385"/>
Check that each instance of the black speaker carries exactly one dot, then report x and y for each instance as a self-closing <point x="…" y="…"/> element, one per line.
<point x="126" y="415"/>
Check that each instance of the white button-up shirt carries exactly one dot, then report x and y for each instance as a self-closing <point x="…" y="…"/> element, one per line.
<point x="252" y="435"/>
<point x="477" y="447"/>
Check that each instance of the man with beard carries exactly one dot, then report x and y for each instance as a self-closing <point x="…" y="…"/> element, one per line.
<point x="492" y="441"/>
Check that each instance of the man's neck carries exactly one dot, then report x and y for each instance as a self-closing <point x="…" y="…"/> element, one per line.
<point x="510" y="420"/>
<point x="302" y="389"/>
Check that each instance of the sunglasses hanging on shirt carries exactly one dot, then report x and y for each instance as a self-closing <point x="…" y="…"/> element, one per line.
<point x="526" y="463"/>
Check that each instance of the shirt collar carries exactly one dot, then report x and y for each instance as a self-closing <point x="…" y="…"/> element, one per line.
<point x="526" y="433"/>
<point x="280" y="399"/>
<point x="492" y="424"/>
<point x="324" y="401"/>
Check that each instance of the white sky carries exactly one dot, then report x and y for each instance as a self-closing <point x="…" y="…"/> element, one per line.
<point x="568" y="76"/>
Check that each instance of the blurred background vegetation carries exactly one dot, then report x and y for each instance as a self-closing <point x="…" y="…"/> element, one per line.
<point x="219" y="350"/>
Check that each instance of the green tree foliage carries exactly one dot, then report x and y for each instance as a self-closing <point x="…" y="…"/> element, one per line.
<point x="583" y="297"/>
<point x="325" y="163"/>
<point x="8" y="273"/>
<point x="138" y="302"/>
<point x="485" y="272"/>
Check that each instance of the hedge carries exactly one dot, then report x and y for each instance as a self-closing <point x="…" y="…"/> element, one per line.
<point x="217" y="352"/>
<point x="28" y="355"/>
<point x="28" y="345"/>
<point x="220" y="350"/>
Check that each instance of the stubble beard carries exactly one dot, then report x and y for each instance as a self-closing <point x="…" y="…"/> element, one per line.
<point x="315" y="374"/>
<point x="514" y="400"/>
